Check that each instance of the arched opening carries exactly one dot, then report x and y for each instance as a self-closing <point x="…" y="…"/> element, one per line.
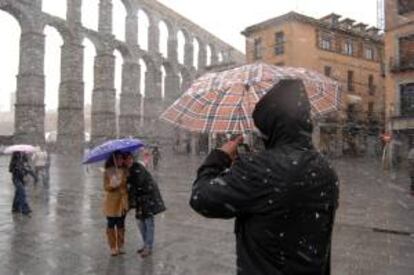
<point x="196" y="46"/>
<point x="143" y="71"/>
<point x="163" y="81"/>
<point x="180" y="46"/>
<point x="10" y="56"/>
<point x="88" y="79"/>
<point x="220" y="57"/>
<point x="208" y="55"/>
<point x="118" y="19"/>
<point x="180" y="77"/>
<point x="143" y="25"/>
<point x="56" y="8"/>
<point x="90" y="14"/>
<point x="53" y="45"/>
<point x="164" y="34"/>
<point x="118" y="85"/>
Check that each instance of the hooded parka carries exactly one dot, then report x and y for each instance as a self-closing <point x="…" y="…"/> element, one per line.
<point x="283" y="198"/>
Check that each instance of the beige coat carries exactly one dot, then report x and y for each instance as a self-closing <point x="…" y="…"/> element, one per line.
<point x="116" y="198"/>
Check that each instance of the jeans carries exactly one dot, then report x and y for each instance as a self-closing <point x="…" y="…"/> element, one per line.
<point x="146" y="227"/>
<point x="19" y="201"/>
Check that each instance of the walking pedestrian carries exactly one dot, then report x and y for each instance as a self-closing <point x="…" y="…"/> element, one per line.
<point x="146" y="157"/>
<point x="411" y="168"/>
<point x="146" y="198"/>
<point x="283" y="198"/>
<point x="156" y="157"/>
<point x="41" y="165"/>
<point x="17" y="169"/>
<point x="116" y="202"/>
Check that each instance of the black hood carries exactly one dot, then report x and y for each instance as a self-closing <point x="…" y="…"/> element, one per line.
<point x="283" y="115"/>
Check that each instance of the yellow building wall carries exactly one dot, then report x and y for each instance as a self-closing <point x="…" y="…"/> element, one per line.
<point x="301" y="50"/>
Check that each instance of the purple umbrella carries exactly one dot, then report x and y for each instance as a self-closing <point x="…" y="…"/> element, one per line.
<point x="105" y="150"/>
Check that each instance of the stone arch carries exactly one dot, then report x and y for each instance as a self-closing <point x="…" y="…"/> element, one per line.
<point x="196" y="51"/>
<point x="187" y="35"/>
<point x="214" y="54"/>
<point x="209" y="55"/>
<point x="26" y="23"/>
<point x="61" y="28"/>
<point x="95" y="39"/>
<point x="220" y="57"/>
<point x="125" y="51"/>
<point x="163" y="41"/>
<point x="119" y="61"/>
<point x="144" y="21"/>
<point x="181" y="40"/>
<point x="119" y="19"/>
<point x="128" y="6"/>
<point x="90" y="14"/>
<point x="54" y="74"/>
<point x="149" y="61"/>
<point x="90" y="52"/>
<point x="62" y="9"/>
<point x="9" y="56"/>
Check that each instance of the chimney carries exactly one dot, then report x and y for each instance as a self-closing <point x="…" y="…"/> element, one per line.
<point x="332" y="19"/>
<point x="360" y="27"/>
<point x="347" y="23"/>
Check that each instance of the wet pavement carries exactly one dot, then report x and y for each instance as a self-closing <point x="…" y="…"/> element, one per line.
<point x="65" y="234"/>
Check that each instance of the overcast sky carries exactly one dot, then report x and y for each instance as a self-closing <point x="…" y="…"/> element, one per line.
<point x="223" y="18"/>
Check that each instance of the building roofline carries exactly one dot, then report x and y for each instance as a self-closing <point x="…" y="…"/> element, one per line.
<point x="297" y="17"/>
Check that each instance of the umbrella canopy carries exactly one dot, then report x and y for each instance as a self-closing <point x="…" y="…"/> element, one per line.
<point x="25" y="148"/>
<point x="105" y="150"/>
<point x="224" y="102"/>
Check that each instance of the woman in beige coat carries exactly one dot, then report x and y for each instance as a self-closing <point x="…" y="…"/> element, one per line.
<point x="116" y="202"/>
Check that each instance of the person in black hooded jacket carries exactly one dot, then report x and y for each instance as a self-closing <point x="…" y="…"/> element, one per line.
<point x="145" y="196"/>
<point x="284" y="198"/>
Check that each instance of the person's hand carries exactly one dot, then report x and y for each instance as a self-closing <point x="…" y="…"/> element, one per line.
<point x="230" y="147"/>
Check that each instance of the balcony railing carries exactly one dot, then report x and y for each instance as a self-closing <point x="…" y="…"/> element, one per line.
<point x="402" y="122"/>
<point x="402" y="65"/>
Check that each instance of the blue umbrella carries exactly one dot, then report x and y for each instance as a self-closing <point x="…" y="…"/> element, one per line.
<point x="105" y="150"/>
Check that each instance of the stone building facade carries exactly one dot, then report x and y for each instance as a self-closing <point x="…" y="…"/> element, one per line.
<point x="399" y="56"/>
<point x="348" y="52"/>
<point x="30" y="107"/>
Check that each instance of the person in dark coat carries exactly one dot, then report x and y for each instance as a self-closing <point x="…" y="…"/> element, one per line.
<point x="284" y="198"/>
<point x="18" y="170"/>
<point x="145" y="197"/>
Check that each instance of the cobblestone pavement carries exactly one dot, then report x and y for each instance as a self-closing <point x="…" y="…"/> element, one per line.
<point x="65" y="234"/>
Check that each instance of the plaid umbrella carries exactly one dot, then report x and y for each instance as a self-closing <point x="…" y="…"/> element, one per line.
<point x="224" y="102"/>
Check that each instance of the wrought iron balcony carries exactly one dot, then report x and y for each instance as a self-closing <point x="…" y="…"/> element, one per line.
<point x="402" y="65"/>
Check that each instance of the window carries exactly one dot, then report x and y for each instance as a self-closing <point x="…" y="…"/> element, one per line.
<point x="405" y="6"/>
<point x="257" y="48"/>
<point x="371" y="86"/>
<point x="350" y="81"/>
<point x="369" y="53"/>
<point x="328" y="71"/>
<point x="407" y="99"/>
<point x="370" y="109"/>
<point x="348" y="48"/>
<point x="407" y="52"/>
<point x="279" y="43"/>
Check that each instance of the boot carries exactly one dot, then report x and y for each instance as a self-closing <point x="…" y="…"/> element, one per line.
<point x="111" y="236"/>
<point x="120" y="234"/>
